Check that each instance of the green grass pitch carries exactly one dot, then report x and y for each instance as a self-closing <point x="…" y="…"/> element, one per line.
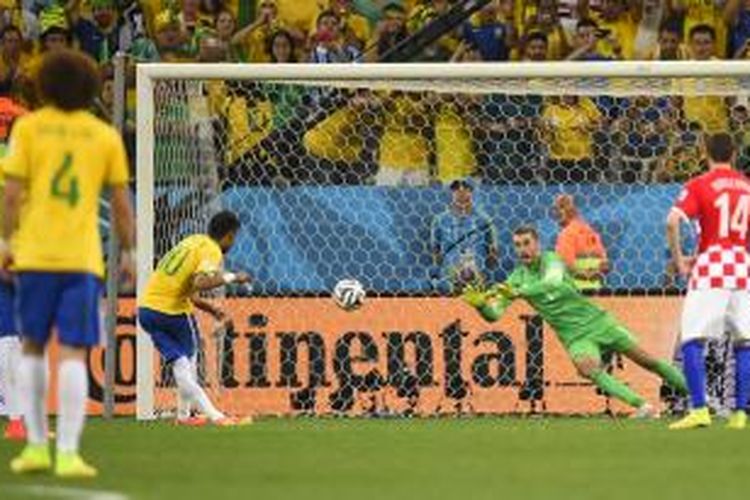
<point x="465" y="459"/>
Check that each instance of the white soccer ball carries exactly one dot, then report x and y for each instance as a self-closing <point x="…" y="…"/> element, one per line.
<point x="348" y="294"/>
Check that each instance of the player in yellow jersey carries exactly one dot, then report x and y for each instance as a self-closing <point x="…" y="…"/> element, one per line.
<point x="60" y="159"/>
<point x="165" y="311"/>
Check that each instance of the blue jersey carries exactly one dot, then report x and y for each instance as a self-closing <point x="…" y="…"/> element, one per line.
<point x="741" y="30"/>
<point x="463" y="241"/>
<point x="489" y="39"/>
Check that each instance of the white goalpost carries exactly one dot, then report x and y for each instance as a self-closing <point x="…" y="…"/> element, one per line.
<point x="342" y="171"/>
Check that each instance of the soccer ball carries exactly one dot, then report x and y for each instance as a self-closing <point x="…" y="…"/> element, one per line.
<point x="348" y="294"/>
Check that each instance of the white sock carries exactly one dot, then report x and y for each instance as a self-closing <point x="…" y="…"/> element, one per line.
<point x="32" y="386"/>
<point x="72" y="390"/>
<point x="10" y="357"/>
<point x="184" y="405"/>
<point x="190" y="390"/>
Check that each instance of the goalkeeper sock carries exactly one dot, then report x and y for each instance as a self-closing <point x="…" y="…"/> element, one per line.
<point x="617" y="389"/>
<point x="671" y="375"/>
<point x="695" y="372"/>
<point x="191" y="391"/>
<point x="72" y="390"/>
<point x="742" y="376"/>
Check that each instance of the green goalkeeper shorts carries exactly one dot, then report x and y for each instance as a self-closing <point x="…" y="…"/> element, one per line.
<point x="612" y="338"/>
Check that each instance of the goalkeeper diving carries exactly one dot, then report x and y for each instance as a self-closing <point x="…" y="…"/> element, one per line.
<point x="585" y="329"/>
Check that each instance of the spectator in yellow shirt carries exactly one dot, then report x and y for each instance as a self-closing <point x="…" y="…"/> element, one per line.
<point x="547" y="22"/>
<point x="252" y="40"/>
<point x="569" y="123"/>
<point x="670" y="47"/>
<point x="169" y="44"/>
<point x="705" y="111"/>
<point x="589" y="38"/>
<point x="354" y="27"/>
<point x="404" y="151"/>
<point x="453" y="141"/>
<point x="295" y="15"/>
<point x="703" y="12"/>
<point x="617" y="18"/>
<point x="249" y="120"/>
<point x="225" y="27"/>
<point x="55" y="36"/>
<point x="420" y="16"/>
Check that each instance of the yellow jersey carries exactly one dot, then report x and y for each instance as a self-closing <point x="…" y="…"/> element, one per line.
<point x="65" y="159"/>
<point x="170" y="286"/>
<point x="710" y="111"/>
<point x="624" y="29"/>
<point x="403" y="145"/>
<point x="455" y="148"/>
<point x="336" y="137"/>
<point x="571" y="128"/>
<point x="248" y="123"/>
<point x="706" y="12"/>
<point x="300" y="15"/>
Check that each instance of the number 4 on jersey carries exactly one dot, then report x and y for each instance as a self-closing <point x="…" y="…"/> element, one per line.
<point x="65" y="182"/>
<point x="737" y="220"/>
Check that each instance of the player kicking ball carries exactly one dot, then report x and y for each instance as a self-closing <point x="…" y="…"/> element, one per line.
<point x="166" y="310"/>
<point x="584" y="328"/>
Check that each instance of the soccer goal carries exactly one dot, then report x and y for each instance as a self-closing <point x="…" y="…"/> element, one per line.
<point x="410" y="178"/>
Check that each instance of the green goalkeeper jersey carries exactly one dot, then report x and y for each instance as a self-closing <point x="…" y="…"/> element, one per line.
<point x="549" y="288"/>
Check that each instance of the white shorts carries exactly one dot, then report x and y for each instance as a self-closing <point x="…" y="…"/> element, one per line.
<point x="713" y="312"/>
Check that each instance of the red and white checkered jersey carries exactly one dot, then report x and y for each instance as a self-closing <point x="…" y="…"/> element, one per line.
<point x="719" y="201"/>
<point x="724" y="268"/>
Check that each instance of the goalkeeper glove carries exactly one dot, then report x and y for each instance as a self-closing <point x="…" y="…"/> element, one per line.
<point x="503" y="290"/>
<point x="474" y="295"/>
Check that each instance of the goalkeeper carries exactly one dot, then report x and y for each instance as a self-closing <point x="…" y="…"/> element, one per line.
<point x="585" y="329"/>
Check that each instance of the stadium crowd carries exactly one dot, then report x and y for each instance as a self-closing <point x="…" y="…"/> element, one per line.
<point x="412" y="138"/>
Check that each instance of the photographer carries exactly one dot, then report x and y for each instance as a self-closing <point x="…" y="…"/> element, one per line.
<point x="463" y="240"/>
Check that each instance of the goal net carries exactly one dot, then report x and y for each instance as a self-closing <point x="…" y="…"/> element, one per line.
<point x="349" y="171"/>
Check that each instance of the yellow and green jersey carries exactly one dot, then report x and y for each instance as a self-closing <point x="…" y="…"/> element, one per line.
<point x="65" y="160"/>
<point x="171" y="284"/>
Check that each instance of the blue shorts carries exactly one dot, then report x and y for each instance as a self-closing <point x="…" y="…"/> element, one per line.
<point x="174" y="335"/>
<point x="8" y="325"/>
<point x="68" y="301"/>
